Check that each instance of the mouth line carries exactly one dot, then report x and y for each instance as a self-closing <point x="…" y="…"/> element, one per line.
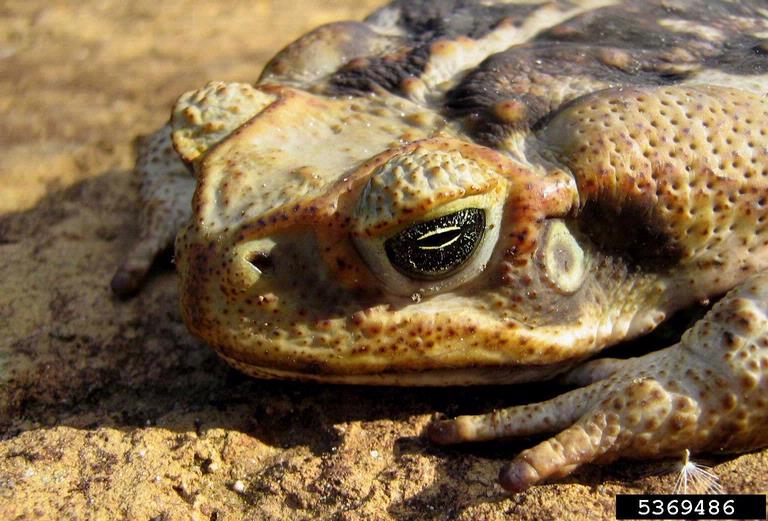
<point x="459" y="376"/>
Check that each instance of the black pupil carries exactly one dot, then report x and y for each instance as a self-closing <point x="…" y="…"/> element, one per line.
<point x="435" y="249"/>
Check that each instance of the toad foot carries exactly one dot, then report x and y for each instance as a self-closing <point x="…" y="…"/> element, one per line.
<point x="706" y="393"/>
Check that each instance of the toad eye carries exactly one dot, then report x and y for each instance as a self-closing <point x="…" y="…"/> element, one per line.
<point x="428" y="219"/>
<point x="439" y="247"/>
<point x="439" y="252"/>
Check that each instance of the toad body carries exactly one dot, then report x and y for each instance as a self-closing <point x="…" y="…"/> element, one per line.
<point x="459" y="192"/>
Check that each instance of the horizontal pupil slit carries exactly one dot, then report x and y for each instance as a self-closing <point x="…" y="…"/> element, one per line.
<point x="440" y="238"/>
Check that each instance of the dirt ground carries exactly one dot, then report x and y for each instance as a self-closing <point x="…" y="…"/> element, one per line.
<point x="109" y="409"/>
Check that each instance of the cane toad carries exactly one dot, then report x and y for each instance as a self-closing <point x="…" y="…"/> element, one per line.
<point x="464" y="192"/>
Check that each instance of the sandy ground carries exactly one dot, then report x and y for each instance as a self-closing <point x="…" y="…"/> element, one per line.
<point x="109" y="409"/>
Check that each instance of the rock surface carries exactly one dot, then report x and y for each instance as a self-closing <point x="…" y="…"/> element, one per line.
<point x="109" y="409"/>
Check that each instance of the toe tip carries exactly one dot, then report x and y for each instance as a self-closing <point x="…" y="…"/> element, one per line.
<point x="517" y="477"/>
<point x="125" y="283"/>
<point x="442" y="432"/>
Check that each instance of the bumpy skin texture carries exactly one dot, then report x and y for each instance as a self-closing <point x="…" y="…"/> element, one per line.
<point x="618" y="153"/>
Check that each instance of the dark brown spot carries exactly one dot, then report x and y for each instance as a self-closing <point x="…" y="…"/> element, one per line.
<point x="632" y="230"/>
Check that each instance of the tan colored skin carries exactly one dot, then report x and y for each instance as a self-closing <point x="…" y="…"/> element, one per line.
<point x="662" y="188"/>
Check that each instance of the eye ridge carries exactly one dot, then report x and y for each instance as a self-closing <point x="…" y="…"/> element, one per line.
<point x="439" y="247"/>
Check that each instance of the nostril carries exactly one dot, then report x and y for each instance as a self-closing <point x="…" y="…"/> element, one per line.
<point x="261" y="260"/>
<point x="252" y="261"/>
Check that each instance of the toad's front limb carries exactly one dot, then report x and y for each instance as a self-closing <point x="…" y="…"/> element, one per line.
<point x="708" y="393"/>
<point x="166" y="189"/>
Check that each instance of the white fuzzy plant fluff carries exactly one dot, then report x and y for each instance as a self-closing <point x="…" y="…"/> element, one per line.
<point x="696" y="479"/>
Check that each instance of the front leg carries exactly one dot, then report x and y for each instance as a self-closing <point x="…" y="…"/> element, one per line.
<point x="166" y="190"/>
<point x="707" y="393"/>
